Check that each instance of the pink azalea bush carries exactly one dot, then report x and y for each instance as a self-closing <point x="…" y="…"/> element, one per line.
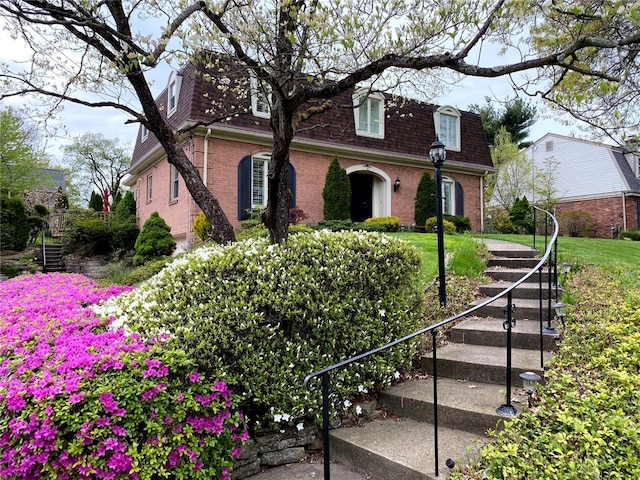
<point x="81" y="400"/>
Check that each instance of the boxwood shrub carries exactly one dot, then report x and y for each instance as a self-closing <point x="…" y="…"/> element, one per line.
<point x="390" y="224"/>
<point x="263" y="316"/>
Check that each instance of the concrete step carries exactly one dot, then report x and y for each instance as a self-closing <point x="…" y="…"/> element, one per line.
<point x="462" y="405"/>
<point x="489" y="331"/>
<point x="526" y="309"/>
<point x="527" y="290"/>
<point x="501" y="274"/>
<point x="512" y="262"/>
<point x="481" y="363"/>
<point x="401" y="448"/>
<point x="524" y="252"/>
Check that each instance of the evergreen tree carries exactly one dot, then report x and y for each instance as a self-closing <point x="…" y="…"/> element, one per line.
<point x="154" y="241"/>
<point x="126" y="207"/>
<point x="521" y="215"/>
<point x="337" y="193"/>
<point x="425" y="205"/>
<point x="62" y="200"/>
<point x="516" y="118"/>
<point x="95" y="203"/>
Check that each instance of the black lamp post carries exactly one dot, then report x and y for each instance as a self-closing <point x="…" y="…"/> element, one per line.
<point x="438" y="155"/>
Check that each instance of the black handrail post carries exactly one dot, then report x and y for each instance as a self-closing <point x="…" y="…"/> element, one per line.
<point x="507" y="409"/>
<point x="541" y="319"/>
<point x="555" y="266"/>
<point x="325" y="426"/>
<point x="535" y="226"/>
<point x="434" y="342"/>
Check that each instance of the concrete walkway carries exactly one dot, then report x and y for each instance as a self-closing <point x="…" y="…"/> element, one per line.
<point x="308" y="471"/>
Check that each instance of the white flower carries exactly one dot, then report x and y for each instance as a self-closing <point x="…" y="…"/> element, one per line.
<point x="382" y="312"/>
<point x="361" y="389"/>
<point x="347" y="404"/>
<point x="277" y="418"/>
<point x="300" y="426"/>
<point x="396" y="375"/>
<point x="285" y="417"/>
<point x="358" y="410"/>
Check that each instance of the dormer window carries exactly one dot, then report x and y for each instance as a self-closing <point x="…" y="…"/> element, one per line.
<point x="260" y="98"/>
<point x="369" y="114"/>
<point x="144" y="133"/>
<point x="173" y="92"/>
<point x="447" y="122"/>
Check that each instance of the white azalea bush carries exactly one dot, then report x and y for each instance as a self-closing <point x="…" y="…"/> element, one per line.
<point x="264" y="316"/>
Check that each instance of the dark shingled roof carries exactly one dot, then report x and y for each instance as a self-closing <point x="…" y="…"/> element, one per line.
<point x="627" y="171"/>
<point x="409" y="127"/>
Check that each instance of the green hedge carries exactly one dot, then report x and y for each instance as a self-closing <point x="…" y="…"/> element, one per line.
<point x="631" y="235"/>
<point x="264" y="316"/>
<point x="390" y="224"/>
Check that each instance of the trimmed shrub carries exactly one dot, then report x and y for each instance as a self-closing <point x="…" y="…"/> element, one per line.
<point x="296" y="215"/>
<point x="154" y="241"/>
<point x="462" y="224"/>
<point x="268" y="315"/>
<point x="501" y="223"/>
<point x="390" y="224"/>
<point x="14" y="224"/>
<point x="425" y="203"/>
<point x="126" y="207"/>
<point x="631" y="235"/>
<point x="81" y="400"/>
<point x="202" y="227"/>
<point x="432" y="226"/>
<point x="336" y="193"/>
<point x="575" y="223"/>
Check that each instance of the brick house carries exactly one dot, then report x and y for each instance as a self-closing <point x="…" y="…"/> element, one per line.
<point x="603" y="180"/>
<point x="381" y="142"/>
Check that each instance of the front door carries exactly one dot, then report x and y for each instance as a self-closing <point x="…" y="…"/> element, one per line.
<point x="361" y="196"/>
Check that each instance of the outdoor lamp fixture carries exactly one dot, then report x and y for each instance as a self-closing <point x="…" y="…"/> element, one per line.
<point x="529" y="383"/>
<point x="438" y="155"/>
<point x="561" y="311"/>
<point x="396" y="185"/>
<point x="566" y="267"/>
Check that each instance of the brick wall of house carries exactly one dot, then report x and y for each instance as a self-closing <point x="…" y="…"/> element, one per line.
<point x="311" y="169"/>
<point x="606" y="212"/>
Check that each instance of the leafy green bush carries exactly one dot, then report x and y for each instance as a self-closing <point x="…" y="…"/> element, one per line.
<point x="425" y="202"/>
<point x="462" y="224"/>
<point x="431" y="225"/>
<point x="268" y="315"/>
<point x="14" y="224"/>
<point x="126" y="207"/>
<point x="469" y="258"/>
<point x="85" y="234"/>
<point x="390" y="224"/>
<point x="154" y="241"/>
<point x="631" y="235"/>
<point x="575" y="223"/>
<point x="586" y="421"/>
<point x="500" y="222"/>
<point x="336" y="193"/>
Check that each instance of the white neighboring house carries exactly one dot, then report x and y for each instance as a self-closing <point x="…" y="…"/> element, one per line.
<point x="601" y="179"/>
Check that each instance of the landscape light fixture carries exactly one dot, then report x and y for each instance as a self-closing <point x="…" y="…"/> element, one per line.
<point x="566" y="267"/>
<point x="438" y="155"/>
<point x="529" y="383"/>
<point x="396" y="185"/>
<point x="561" y="311"/>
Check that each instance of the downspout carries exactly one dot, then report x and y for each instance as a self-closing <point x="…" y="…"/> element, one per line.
<point x="482" y="200"/>
<point x="624" y="211"/>
<point x="205" y="169"/>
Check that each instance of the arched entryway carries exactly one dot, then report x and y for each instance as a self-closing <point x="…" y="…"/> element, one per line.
<point x="370" y="192"/>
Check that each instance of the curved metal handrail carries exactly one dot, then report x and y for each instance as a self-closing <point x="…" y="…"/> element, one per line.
<point x="324" y="373"/>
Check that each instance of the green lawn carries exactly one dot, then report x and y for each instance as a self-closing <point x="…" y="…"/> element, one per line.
<point x="594" y="251"/>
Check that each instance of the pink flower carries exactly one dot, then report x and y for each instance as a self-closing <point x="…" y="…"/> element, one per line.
<point x="194" y="377"/>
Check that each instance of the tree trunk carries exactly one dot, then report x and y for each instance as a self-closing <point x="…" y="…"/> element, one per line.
<point x="277" y="212"/>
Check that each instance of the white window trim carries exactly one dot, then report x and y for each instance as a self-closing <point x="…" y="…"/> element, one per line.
<point x="145" y="133"/>
<point x="173" y="92"/>
<point x="174" y="186"/>
<point x="452" y="199"/>
<point x="261" y="157"/>
<point x="256" y="101"/>
<point x="149" y="187"/>
<point x="360" y="98"/>
<point x="452" y="112"/>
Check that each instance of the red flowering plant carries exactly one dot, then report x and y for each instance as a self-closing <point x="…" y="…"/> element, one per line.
<point x="81" y="400"/>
